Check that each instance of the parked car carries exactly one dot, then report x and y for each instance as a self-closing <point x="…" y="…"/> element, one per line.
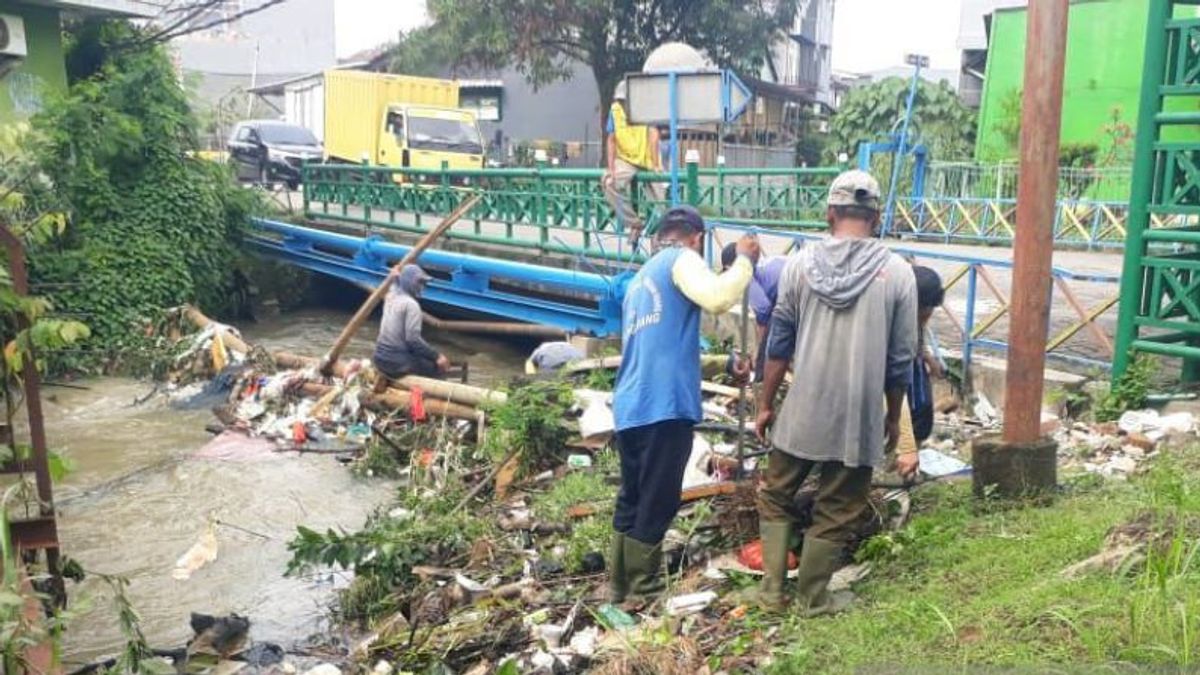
<point x="267" y="151"/>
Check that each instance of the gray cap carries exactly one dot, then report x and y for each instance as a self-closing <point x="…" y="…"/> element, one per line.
<point x="854" y="188"/>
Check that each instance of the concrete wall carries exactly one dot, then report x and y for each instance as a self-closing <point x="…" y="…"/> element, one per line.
<point x="1105" y="48"/>
<point x="23" y="89"/>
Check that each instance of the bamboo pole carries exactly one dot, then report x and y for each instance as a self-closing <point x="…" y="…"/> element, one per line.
<point x="397" y="399"/>
<point x="199" y="320"/>
<point x="463" y="394"/>
<point x="378" y="294"/>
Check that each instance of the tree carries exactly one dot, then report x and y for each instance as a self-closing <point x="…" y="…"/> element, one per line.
<point x="871" y="112"/>
<point x="543" y="38"/>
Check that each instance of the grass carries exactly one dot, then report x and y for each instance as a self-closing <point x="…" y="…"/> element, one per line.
<point x="587" y="487"/>
<point x="966" y="584"/>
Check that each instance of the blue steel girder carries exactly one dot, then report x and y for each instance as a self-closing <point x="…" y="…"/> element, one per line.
<point x="593" y="308"/>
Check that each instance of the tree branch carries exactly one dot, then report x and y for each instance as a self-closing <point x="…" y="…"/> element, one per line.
<point x="167" y="34"/>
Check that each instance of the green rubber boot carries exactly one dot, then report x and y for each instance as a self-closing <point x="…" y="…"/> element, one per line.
<point x="818" y="561"/>
<point x="643" y="570"/>
<point x="775" y="539"/>
<point x="769" y="596"/>
<point x="618" y="579"/>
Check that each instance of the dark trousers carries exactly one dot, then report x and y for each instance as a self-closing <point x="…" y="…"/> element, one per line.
<point x="842" y="494"/>
<point x="653" y="458"/>
<point x="413" y="365"/>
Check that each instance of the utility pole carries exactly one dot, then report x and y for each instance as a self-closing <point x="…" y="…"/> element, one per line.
<point x="1033" y="248"/>
<point x="1022" y="461"/>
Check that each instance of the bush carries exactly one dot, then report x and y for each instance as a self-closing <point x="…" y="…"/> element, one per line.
<point x="151" y="226"/>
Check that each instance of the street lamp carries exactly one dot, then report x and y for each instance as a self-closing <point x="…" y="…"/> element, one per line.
<point x="917" y="61"/>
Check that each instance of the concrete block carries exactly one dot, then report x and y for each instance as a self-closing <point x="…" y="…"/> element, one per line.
<point x="1013" y="470"/>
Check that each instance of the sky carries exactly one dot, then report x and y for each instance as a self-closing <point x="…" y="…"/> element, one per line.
<point x="867" y="34"/>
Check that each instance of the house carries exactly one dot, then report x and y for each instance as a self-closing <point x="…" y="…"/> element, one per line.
<point x="31" y="48"/>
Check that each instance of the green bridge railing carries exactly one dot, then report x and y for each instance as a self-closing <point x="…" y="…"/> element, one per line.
<point x="557" y="210"/>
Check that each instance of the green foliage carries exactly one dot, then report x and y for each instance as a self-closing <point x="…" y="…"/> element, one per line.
<point x="383" y="554"/>
<point x="150" y="225"/>
<point x="1129" y="391"/>
<point x="1078" y="155"/>
<point x="543" y="39"/>
<point x="531" y="422"/>
<point x="871" y="112"/>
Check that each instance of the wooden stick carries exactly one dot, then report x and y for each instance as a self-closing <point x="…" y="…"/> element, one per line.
<point x="486" y="479"/>
<point x="377" y="296"/>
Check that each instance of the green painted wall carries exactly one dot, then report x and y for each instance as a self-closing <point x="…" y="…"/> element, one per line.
<point x="1106" y="41"/>
<point x="22" y="89"/>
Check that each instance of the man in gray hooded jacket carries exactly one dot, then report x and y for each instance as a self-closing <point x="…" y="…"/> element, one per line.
<point x="400" y="348"/>
<point x="846" y="321"/>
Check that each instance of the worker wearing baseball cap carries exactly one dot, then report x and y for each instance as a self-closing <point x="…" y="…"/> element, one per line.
<point x="846" y="322"/>
<point x="656" y="401"/>
<point x="630" y="148"/>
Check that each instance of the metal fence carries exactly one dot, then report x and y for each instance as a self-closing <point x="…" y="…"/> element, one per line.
<point x="968" y="180"/>
<point x="532" y="205"/>
<point x="1083" y="321"/>
<point x="561" y="210"/>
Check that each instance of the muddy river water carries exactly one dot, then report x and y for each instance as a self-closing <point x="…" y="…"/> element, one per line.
<point x="137" y="500"/>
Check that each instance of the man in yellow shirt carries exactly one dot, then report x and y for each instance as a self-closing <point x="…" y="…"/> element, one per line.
<point x="630" y="148"/>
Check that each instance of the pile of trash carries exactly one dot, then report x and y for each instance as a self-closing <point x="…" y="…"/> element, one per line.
<point x="1117" y="449"/>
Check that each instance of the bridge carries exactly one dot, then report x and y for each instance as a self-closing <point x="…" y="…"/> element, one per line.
<point x="542" y="246"/>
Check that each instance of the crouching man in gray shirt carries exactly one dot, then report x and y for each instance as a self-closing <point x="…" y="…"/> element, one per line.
<point x="846" y="322"/>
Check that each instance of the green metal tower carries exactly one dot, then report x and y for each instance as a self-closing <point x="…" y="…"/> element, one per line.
<point x="1160" y="285"/>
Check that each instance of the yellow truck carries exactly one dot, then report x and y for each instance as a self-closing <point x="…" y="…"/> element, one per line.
<point x="398" y="120"/>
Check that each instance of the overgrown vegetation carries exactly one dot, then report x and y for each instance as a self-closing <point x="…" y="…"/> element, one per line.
<point x="1128" y="392"/>
<point x="530" y="426"/>
<point x="149" y="225"/>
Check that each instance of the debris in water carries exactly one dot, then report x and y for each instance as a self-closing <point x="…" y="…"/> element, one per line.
<point x="200" y="554"/>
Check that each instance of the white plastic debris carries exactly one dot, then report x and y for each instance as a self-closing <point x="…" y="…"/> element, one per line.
<point x="690" y="603"/>
<point x="985" y="412"/>
<point x="934" y="463"/>
<point x="1154" y="426"/>
<point x="324" y="669"/>
<point x="400" y="513"/>
<point x="584" y="642"/>
<point x="552" y="635"/>
<point x="696" y="472"/>
<point x="597" y="418"/>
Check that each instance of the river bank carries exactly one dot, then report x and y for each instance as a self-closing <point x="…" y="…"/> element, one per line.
<point x="138" y="499"/>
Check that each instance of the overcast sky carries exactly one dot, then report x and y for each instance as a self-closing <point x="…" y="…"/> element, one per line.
<point x="867" y="34"/>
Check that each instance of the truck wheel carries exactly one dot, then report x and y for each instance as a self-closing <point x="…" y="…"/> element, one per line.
<point x="264" y="175"/>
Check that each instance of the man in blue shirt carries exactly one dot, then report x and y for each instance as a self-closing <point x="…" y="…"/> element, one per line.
<point x="764" y="291"/>
<point x="657" y="397"/>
